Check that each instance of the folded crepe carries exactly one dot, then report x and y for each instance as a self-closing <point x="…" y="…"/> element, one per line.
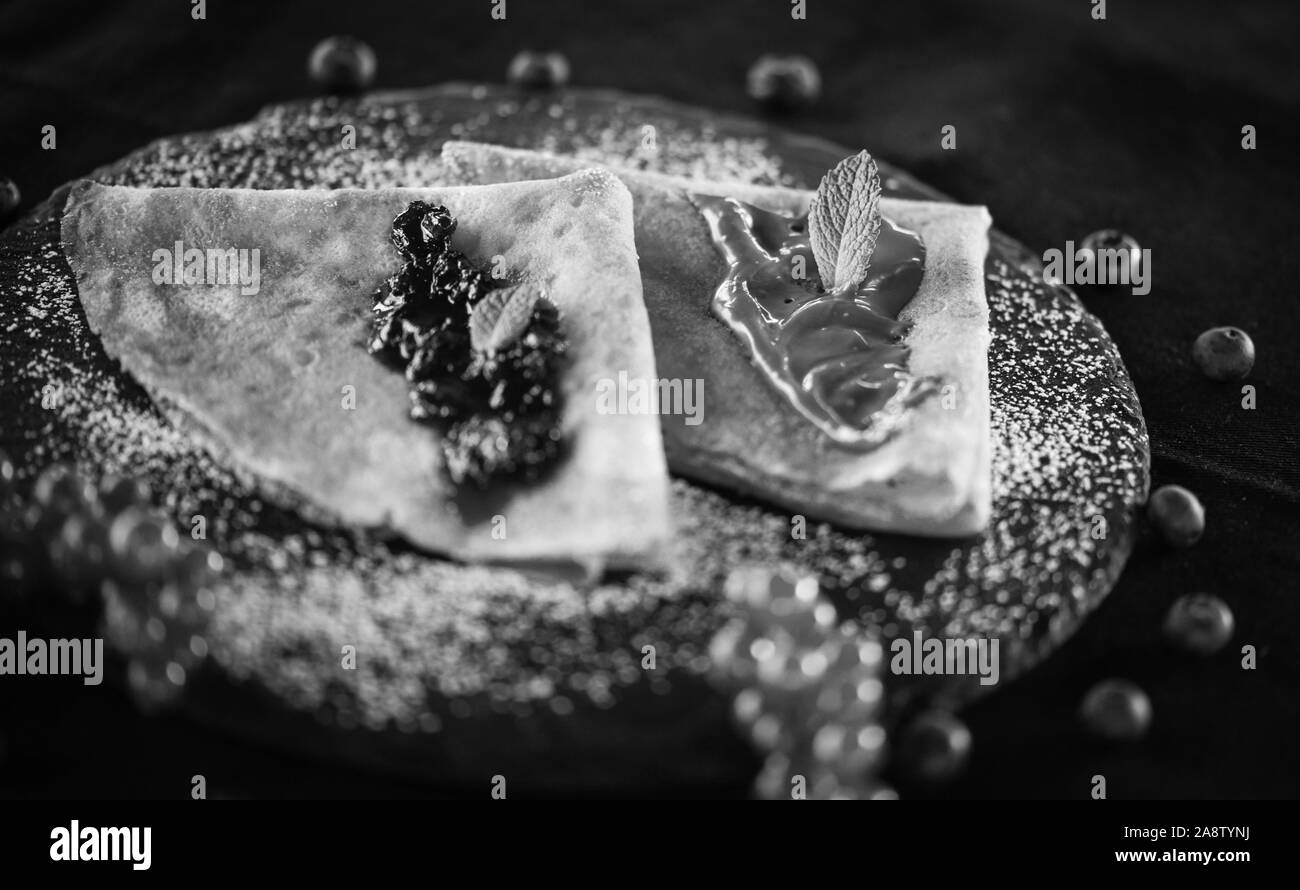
<point x="930" y="478"/>
<point x="277" y="375"/>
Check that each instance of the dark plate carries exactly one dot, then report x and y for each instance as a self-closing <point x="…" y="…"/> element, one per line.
<point x="466" y="673"/>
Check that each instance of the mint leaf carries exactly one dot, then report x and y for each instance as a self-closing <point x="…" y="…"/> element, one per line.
<point x="502" y="316"/>
<point x="844" y="221"/>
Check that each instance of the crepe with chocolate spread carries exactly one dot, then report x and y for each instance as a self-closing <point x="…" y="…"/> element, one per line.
<point x="275" y="374"/>
<point x="931" y="477"/>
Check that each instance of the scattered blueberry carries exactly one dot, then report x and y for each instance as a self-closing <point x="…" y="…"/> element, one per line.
<point x="935" y="746"/>
<point x="1117" y="710"/>
<point x="535" y="70"/>
<point x="1114" y="239"/>
<point x="1199" y="623"/>
<point x="1177" y="515"/>
<point x="784" y="83"/>
<point x="1224" y="353"/>
<point x="10" y="197"/>
<point x="342" y="64"/>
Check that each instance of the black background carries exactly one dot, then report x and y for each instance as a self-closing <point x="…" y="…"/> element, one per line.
<point x="1064" y="125"/>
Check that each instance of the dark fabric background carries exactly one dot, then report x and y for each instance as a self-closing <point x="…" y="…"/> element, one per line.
<point x="1065" y="125"/>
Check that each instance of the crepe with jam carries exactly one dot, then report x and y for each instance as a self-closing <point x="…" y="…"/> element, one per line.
<point x="916" y="462"/>
<point x="273" y="369"/>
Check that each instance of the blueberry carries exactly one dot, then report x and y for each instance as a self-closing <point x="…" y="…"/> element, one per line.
<point x="1224" y="353"/>
<point x="409" y="285"/>
<point x="1113" y="240"/>
<point x="408" y="232"/>
<point x="342" y="64"/>
<point x="481" y="447"/>
<point x="1117" y="710"/>
<point x="10" y="197"/>
<point x="1199" y="623"/>
<point x="459" y="280"/>
<point x="1177" y="515"/>
<point x="935" y="746"/>
<point x="513" y="393"/>
<point x="444" y="355"/>
<point x="535" y="70"/>
<point x="411" y="337"/>
<point x="437" y="226"/>
<point x="784" y="83"/>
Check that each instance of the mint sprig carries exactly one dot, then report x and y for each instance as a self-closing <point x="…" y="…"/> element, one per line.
<point x="502" y="316"/>
<point x="844" y="222"/>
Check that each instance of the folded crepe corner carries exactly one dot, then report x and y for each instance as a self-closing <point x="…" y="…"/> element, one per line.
<point x="933" y="478"/>
<point x="281" y="384"/>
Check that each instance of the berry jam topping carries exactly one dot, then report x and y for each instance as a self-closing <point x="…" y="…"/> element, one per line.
<point x="482" y="356"/>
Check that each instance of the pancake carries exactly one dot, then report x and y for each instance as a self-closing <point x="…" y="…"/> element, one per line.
<point x="933" y="477"/>
<point x="276" y="376"/>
